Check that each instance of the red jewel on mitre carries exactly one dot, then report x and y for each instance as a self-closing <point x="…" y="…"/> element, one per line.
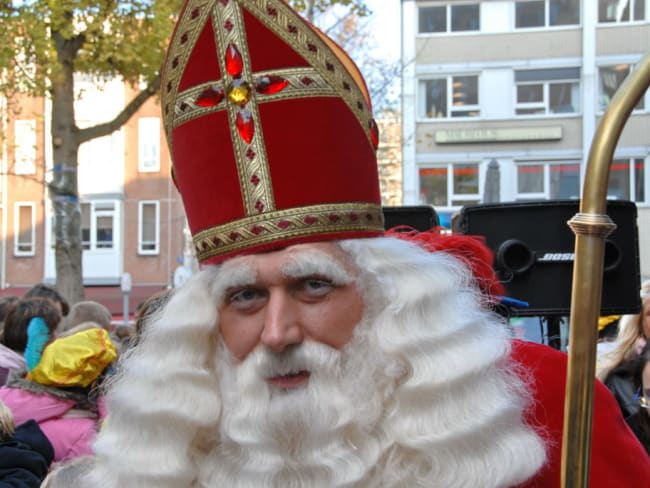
<point x="270" y="128"/>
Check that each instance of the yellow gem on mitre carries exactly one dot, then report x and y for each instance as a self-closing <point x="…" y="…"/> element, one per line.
<point x="239" y="92"/>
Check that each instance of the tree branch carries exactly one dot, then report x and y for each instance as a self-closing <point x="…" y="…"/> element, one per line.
<point x="120" y="119"/>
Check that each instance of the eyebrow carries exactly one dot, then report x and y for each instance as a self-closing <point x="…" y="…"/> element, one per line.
<point x="234" y="274"/>
<point x="316" y="263"/>
<point x="238" y="273"/>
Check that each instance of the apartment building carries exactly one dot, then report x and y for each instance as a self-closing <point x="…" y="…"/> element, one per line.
<point x="520" y="84"/>
<point x="132" y="217"/>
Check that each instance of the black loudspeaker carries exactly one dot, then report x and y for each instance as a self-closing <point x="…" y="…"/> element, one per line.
<point x="420" y="217"/>
<point x="534" y="253"/>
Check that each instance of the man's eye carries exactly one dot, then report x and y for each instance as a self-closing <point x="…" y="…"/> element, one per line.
<point x="244" y="295"/>
<point x="317" y="286"/>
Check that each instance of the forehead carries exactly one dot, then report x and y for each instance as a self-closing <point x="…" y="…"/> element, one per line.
<point x="299" y="252"/>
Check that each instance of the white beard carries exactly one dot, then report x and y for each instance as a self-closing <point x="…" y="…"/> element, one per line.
<point x="421" y="397"/>
<point x="320" y="434"/>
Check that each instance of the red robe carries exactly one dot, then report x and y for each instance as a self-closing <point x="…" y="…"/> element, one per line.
<point x="617" y="458"/>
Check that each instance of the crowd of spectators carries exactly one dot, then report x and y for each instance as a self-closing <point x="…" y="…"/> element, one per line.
<point x="54" y="359"/>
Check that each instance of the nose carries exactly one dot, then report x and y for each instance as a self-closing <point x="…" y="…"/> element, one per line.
<point x="282" y="326"/>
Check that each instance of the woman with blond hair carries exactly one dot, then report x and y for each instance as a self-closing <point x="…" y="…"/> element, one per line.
<point x="616" y="368"/>
<point x="640" y="423"/>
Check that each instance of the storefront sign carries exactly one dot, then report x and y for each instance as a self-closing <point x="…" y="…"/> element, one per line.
<point x="462" y="136"/>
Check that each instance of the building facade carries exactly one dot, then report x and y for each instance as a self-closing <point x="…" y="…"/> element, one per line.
<point x="520" y="85"/>
<point x="132" y="218"/>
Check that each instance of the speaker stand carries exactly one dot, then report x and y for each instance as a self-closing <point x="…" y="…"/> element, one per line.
<point x="553" y="335"/>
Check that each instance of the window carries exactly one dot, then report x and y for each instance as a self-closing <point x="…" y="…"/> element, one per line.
<point x="97" y="221"/>
<point x="610" y="78"/>
<point x="25" y="220"/>
<point x="465" y="17"/>
<point x="547" y="91"/>
<point x="25" y="147"/>
<point x="626" y="180"/>
<point x="451" y="96"/>
<point x="104" y="232"/>
<point x="148" y="144"/>
<point x="148" y="227"/>
<point x="544" y="13"/>
<point x="432" y="19"/>
<point x="620" y="10"/>
<point x="449" y="18"/>
<point x="450" y="185"/>
<point x="541" y="180"/>
<point x="86" y="209"/>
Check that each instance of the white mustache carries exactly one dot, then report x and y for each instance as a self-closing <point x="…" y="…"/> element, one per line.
<point x="310" y="357"/>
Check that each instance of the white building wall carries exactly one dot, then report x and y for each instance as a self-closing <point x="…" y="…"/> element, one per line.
<point x="497" y="16"/>
<point x="494" y="103"/>
<point x="101" y="160"/>
<point x="410" y="192"/>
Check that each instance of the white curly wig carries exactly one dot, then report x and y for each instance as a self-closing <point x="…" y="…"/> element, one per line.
<point x="423" y="396"/>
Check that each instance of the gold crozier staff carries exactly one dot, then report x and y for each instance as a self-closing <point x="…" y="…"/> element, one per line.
<point x="591" y="226"/>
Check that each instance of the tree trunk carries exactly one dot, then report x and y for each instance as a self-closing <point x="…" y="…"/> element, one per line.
<point x="63" y="187"/>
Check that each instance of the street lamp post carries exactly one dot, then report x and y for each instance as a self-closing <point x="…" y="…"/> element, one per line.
<point x="125" y="285"/>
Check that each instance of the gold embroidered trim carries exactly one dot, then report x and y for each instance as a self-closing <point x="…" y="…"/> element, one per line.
<point x="285" y="224"/>
<point x="182" y="44"/>
<point x="282" y="20"/>
<point x="251" y="159"/>
<point x="303" y="83"/>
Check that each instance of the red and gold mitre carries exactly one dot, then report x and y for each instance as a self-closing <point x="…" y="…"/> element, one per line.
<point x="270" y="128"/>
